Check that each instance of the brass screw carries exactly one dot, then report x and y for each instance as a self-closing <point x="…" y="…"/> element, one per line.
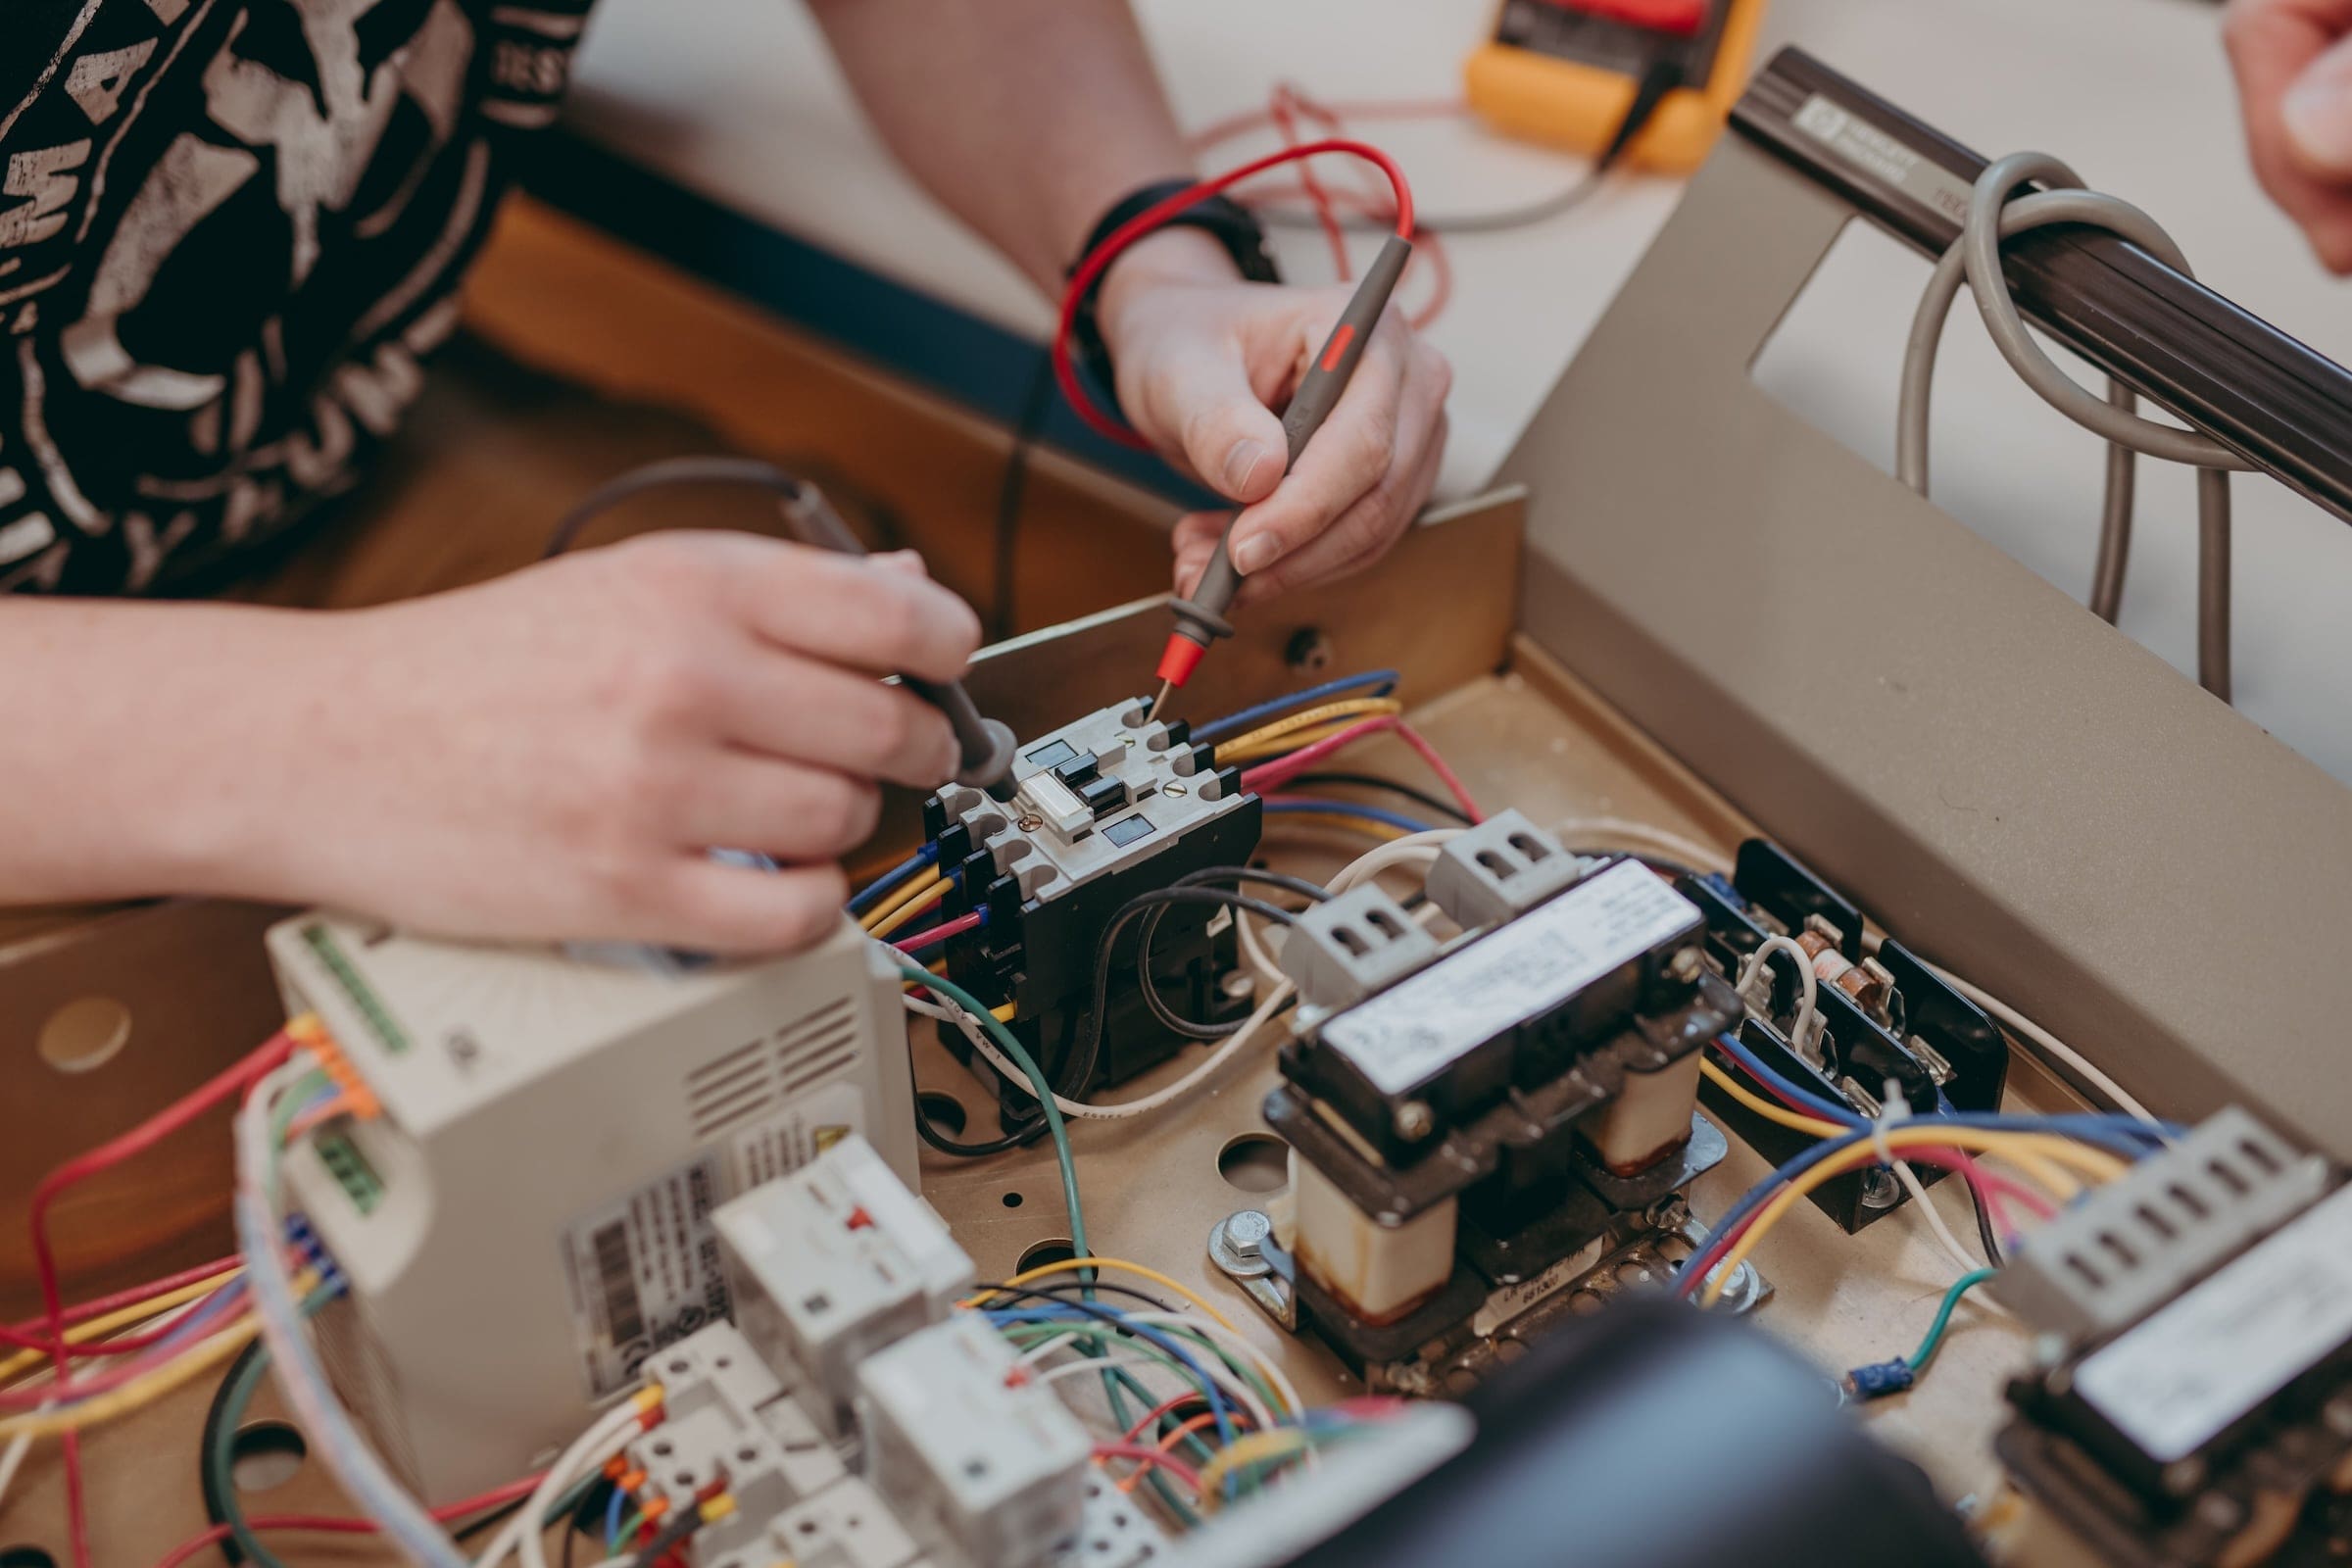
<point x="1174" y="787"/>
<point x="1030" y="824"/>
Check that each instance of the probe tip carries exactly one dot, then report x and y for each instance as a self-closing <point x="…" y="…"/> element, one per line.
<point x="1159" y="702"/>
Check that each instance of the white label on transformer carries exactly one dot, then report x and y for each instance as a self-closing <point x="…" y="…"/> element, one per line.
<point x="783" y="1144"/>
<point x="1414" y="1030"/>
<point x="645" y="1272"/>
<point x="2179" y="1379"/>
<point x="1509" y="1300"/>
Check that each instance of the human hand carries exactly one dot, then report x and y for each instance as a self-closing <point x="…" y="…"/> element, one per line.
<point x="1203" y="359"/>
<point x="2293" y="61"/>
<point x="550" y="754"/>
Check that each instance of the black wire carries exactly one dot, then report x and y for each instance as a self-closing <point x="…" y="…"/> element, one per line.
<point x="1074" y="1291"/>
<point x="216" y="1416"/>
<point x="1079" y="1070"/>
<point x="1984" y="1231"/>
<point x="946" y="1145"/>
<point x="1373" y="781"/>
<point x="1013" y="490"/>
<point x="751" y="472"/>
<point x="1660" y="78"/>
<point x="1191" y="1029"/>
<point x="689" y="1520"/>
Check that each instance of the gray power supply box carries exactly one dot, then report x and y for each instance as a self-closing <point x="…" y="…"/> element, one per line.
<point x="528" y="1220"/>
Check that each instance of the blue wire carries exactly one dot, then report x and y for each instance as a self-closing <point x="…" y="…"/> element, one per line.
<point x="613" y="1521"/>
<point x="1235" y="723"/>
<point x="865" y="898"/>
<point x="1372" y="813"/>
<point x="1218" y="1403"/>
<point x="1826" y="1110"/>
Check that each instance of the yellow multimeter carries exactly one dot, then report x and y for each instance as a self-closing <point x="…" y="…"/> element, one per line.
<point x="1565" y="71"/>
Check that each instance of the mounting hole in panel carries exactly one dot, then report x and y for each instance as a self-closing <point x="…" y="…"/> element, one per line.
<point x="1012" y="1200"/>
<point x="944" y="1111"/>
<point x="1255" y="1162"/>
<point x="85" y="1034"/>
<point x="265" y="1454"/>
<point x="25" y="1557"/>
<point x="1053" y="1250"/>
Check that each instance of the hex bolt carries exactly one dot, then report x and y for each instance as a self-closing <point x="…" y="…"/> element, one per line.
<point x="1247" y="1231"/>
<point x="1414" y="1120"/>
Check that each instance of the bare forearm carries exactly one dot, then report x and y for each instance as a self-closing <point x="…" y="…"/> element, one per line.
<point x="1027" y="117"/>
<point x="146" y="743"/>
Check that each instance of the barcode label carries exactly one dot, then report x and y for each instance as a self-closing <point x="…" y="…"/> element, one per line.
<point x="644" y="1271"/>
<point x="616" y="1276"/>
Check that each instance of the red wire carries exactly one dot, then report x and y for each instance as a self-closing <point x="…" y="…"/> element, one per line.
<point x="939" y="932"/>
<point x="113" y="1151"/>
<point x="1165" y="1407"/>
<point x="1269" y="777"/>
<point x="1143" y="1455"/>
<point x="1097" y="259"/>
<point x="1285" y="124"/>
<point x="332" y="1525"/>
<point x="22" y="1334"/>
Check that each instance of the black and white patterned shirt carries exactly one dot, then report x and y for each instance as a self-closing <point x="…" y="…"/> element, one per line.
<point x="230" y="231"/>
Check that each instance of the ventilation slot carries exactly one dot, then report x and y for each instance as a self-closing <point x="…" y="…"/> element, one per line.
<point x="757" y="1078"/>
<point x="734" y="1087"/>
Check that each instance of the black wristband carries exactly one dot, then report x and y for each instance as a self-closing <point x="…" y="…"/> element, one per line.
<point x="1222" y="219"/>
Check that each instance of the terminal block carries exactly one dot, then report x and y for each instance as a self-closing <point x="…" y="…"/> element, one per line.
<point x="986" y="1461"/>
<point x="2191" y="1400"/>
<point x="729" y="1423"/>
<point x="1477" y="1124"/>
<point x="1106" y="808"/>
<point x="831" y="1264"/>
<point x="1883" y="1016"/>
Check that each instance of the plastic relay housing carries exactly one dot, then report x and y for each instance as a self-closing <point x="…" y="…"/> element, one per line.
<point x="834" y="1262"/>
<point x="2193" y="1401"/>
<point x="1107" y="807"/>
<point x="986" y="1459"/>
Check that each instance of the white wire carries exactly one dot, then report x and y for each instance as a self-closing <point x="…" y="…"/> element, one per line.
<point x="1103" y="1363"/>
<point x="605" y="1437"/>
<point x="1419" y="848"/>
<point x="1273" y="1374"/>
<point x="1968" y="1263"/>
<point x="1118" y="1111"/>
<point x="14" y="1458"/>
<point x="404" y="1520"/>
<point x="1232" y="1388"/>
<point x="2018" y="1023"/>
<point x="1615" y="832"/>
<point x="1800" y="1030"/>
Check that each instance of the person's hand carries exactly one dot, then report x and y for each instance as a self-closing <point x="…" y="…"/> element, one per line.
<point x="550" y="754"/>
<point x="2293" y="60"/>
<point x="1203" y="359"/>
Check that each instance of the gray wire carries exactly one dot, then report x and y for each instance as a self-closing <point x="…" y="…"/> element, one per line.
<point x="1975" y="259"/>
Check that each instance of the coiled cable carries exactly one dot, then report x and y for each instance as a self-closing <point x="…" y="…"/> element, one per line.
<point x="1975" y="259"/>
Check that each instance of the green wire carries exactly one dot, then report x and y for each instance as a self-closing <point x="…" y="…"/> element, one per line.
<point x="222" y="1459"/>
<point x="628" y="1528"/>
<point x="1018" y="1054"/>
<point x="291" y="1104"/>
<point x="1008" y="1043"/>
<point x="1943" y="1317"/>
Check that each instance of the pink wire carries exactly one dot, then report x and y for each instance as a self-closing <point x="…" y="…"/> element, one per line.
<point x="1269" y="777"/>
<point x="939" y="933"/>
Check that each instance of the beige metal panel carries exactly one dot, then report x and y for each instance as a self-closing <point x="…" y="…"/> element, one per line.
<point x="2014" y="787"/>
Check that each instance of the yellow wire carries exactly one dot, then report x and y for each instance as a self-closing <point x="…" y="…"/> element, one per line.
<point x="24" y="1361"/>
<point x="1286" y="731"/>
<point x="1003" y="1012"/>
<point x="901" y="897"/>
<point x="904" y="912"/>
<point x="142" y="1392"/>
<point x="1246" y="1449"/>
<point x="1332" y="819"/>
<point x="2043" y="1173"/>
<point x="2099" y="1166"/>
<point x="1766" y="1109"/>
<point x="1070" y="1265"/>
